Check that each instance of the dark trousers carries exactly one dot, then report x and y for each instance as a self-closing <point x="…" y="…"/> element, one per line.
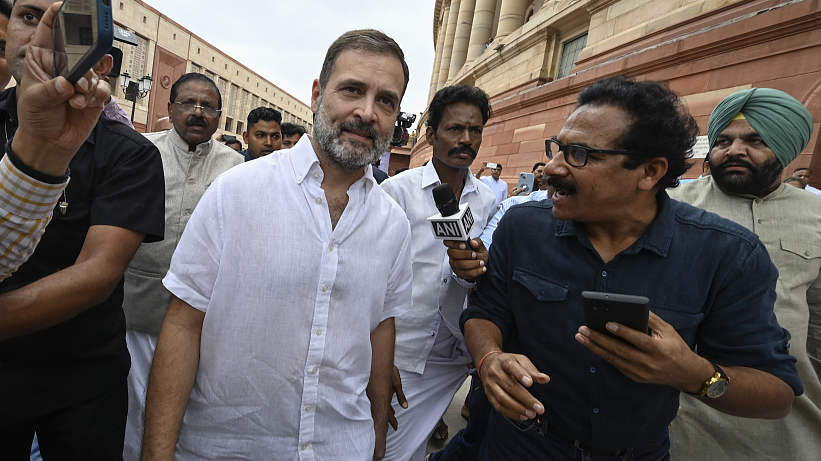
<point x="531" y="440"/>
<point x="92" y="429"/>
<point x="464" y="446"/>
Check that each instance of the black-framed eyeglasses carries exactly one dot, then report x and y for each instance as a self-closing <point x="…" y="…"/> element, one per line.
<point x="574" y="154"/>
<point x="207" y="110"/>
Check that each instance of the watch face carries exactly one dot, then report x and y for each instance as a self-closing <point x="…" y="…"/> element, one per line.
<point x="717" y="389"/>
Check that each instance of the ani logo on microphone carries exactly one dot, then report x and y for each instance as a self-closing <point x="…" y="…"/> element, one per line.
<point x="454" y="229"/>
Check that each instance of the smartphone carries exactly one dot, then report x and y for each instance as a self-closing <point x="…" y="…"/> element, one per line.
<point x="526" y="179"/>
<point x="630" y="311"/>
<point x="492" y="166"/>
<point x="83" y="33"/>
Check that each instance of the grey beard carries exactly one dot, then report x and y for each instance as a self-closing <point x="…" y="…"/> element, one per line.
<point x="327" y="135"/>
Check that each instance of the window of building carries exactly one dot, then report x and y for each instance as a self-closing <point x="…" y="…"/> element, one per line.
<point x="145" y="19"/>
<point x="174" y="37"/>
<point x="121" y="5"/>
<point x="239" y="128"/>
<point x="570" y="52"/>
<point x="228" y="122"/>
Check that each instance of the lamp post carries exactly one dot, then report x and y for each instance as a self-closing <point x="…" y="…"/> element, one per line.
<point x="134" y="89"/>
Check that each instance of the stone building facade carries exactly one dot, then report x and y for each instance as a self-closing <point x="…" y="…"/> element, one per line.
<point x="534" y="57"/>
<point x="166" y="50"/>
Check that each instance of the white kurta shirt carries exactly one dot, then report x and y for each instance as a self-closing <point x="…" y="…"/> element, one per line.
<point x="289" y="304"/>
<point x="498" y="187"/>
<point x="437" y="295"/>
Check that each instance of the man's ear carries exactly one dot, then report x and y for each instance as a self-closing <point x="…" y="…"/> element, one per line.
<point x="103" y="66"/>
<point x="245" y="137"/>
<point x="430" y="135"/>
<point x="654" y="170"/>
<point x="316" y="92"/>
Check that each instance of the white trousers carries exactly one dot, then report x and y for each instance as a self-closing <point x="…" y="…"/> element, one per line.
<point x="429" y="395"/>
<point x="141" y="346"/>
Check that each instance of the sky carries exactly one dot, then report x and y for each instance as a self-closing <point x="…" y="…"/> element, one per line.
<point x="285" y="41"/>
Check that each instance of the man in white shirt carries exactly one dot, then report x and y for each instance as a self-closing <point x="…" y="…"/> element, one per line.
<point x="805" y="174"/>
<point x="430" y="352"/>
<point x="498" y="186"/>
<point x="278" y="342"/>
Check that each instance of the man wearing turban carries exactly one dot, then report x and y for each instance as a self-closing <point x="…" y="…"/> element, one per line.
<point x="754" y="134"/>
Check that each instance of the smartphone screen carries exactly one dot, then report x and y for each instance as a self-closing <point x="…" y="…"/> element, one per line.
<point x="82" y="35"/>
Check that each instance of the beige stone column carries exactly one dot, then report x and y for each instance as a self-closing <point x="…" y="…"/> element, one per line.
<point x="482" y="25"/>
<point x="462" y="37"/>
<point x="447" y="49"/>
<point x="437" y="60"/>
<point x="512" y="16"/>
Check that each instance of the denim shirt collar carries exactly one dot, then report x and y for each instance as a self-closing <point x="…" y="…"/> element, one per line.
<point x="656" y="238"/>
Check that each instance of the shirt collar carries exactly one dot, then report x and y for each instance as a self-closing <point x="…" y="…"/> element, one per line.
<point x="656" y="238"/>
<point x="180" y="143"/>
<point x="431" y="178"/>
<point x="305" y="164"/>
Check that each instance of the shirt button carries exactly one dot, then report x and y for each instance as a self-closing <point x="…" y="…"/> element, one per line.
<point x="760" y="221"/>
<point x="316" y="174"/>
<point x="807" y="253"/>
<point x="190" y="182"/>
<point x="595" y="411"/>
<point x="299" y="179"/>
<point x="188" y="212"/>
<point x="308" y="409"/>
<point x="592" y="369"/>
<point x="444" y="280"/>
<point x="314" y="370"/>
<point x="758" y="200"/>
<point x="319" y="331"/>
<point x="604" y="273"/>
<point x="324" y="288"/>
<point x="331" y="247"/>
<point x="318" y="200"/>
<point x="304" y="446"/>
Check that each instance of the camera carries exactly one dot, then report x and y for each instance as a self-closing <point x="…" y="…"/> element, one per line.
<point x="400" y="132"/>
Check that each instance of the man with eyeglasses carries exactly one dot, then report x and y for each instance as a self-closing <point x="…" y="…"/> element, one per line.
<point x="560" y="389"/>
<point x="191" y="159"/>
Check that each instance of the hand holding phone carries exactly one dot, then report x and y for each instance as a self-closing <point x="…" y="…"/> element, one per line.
<point x="55" y="117"/>
<point x="630" y="311"/>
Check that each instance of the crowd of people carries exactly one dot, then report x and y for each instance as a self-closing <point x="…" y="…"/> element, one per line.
<point x="170" y="296"/>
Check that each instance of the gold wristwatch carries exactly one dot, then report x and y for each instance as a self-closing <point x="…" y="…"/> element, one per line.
<point x="716" y="385"/>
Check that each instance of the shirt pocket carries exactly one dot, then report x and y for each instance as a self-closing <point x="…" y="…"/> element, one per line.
<point x="797" y="257"/>
<point x="686" y="323"/>
<point x="541" y="308"/>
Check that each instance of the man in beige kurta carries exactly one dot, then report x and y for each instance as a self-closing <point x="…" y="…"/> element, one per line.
<point x="753" y="137"/>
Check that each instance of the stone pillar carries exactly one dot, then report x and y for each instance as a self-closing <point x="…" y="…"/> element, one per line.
<point x="482" y="25"/>
<point x="462" y="37"/>
<point x="437" y="60"/>
<point x="447" y="49"/>
<point x="512" y="16"/>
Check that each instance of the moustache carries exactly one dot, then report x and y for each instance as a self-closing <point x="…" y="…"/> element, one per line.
<point x="463" y="150"/>
<point x="736" y="162"/>
<point x="557" y="183"/>
<point x="358" y="125"/>
<point x="196" y="121"/>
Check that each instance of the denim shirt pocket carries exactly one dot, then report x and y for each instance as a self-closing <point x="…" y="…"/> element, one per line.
<point x="544" y="307"/>
<point x="686" y="323"/>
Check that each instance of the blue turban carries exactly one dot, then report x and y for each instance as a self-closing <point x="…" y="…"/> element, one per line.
<point x="783" y="122"/>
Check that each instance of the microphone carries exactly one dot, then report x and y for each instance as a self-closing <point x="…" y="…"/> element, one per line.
<point x="454" y="221"/>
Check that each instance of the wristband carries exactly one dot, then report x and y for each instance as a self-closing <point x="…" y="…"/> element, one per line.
<point x="479" y="368"/>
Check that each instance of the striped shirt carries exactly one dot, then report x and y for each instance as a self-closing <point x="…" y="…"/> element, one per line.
<point x="26" y="206"/>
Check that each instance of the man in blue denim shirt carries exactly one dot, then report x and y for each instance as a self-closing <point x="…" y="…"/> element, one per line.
<point x="563" y="391"/>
